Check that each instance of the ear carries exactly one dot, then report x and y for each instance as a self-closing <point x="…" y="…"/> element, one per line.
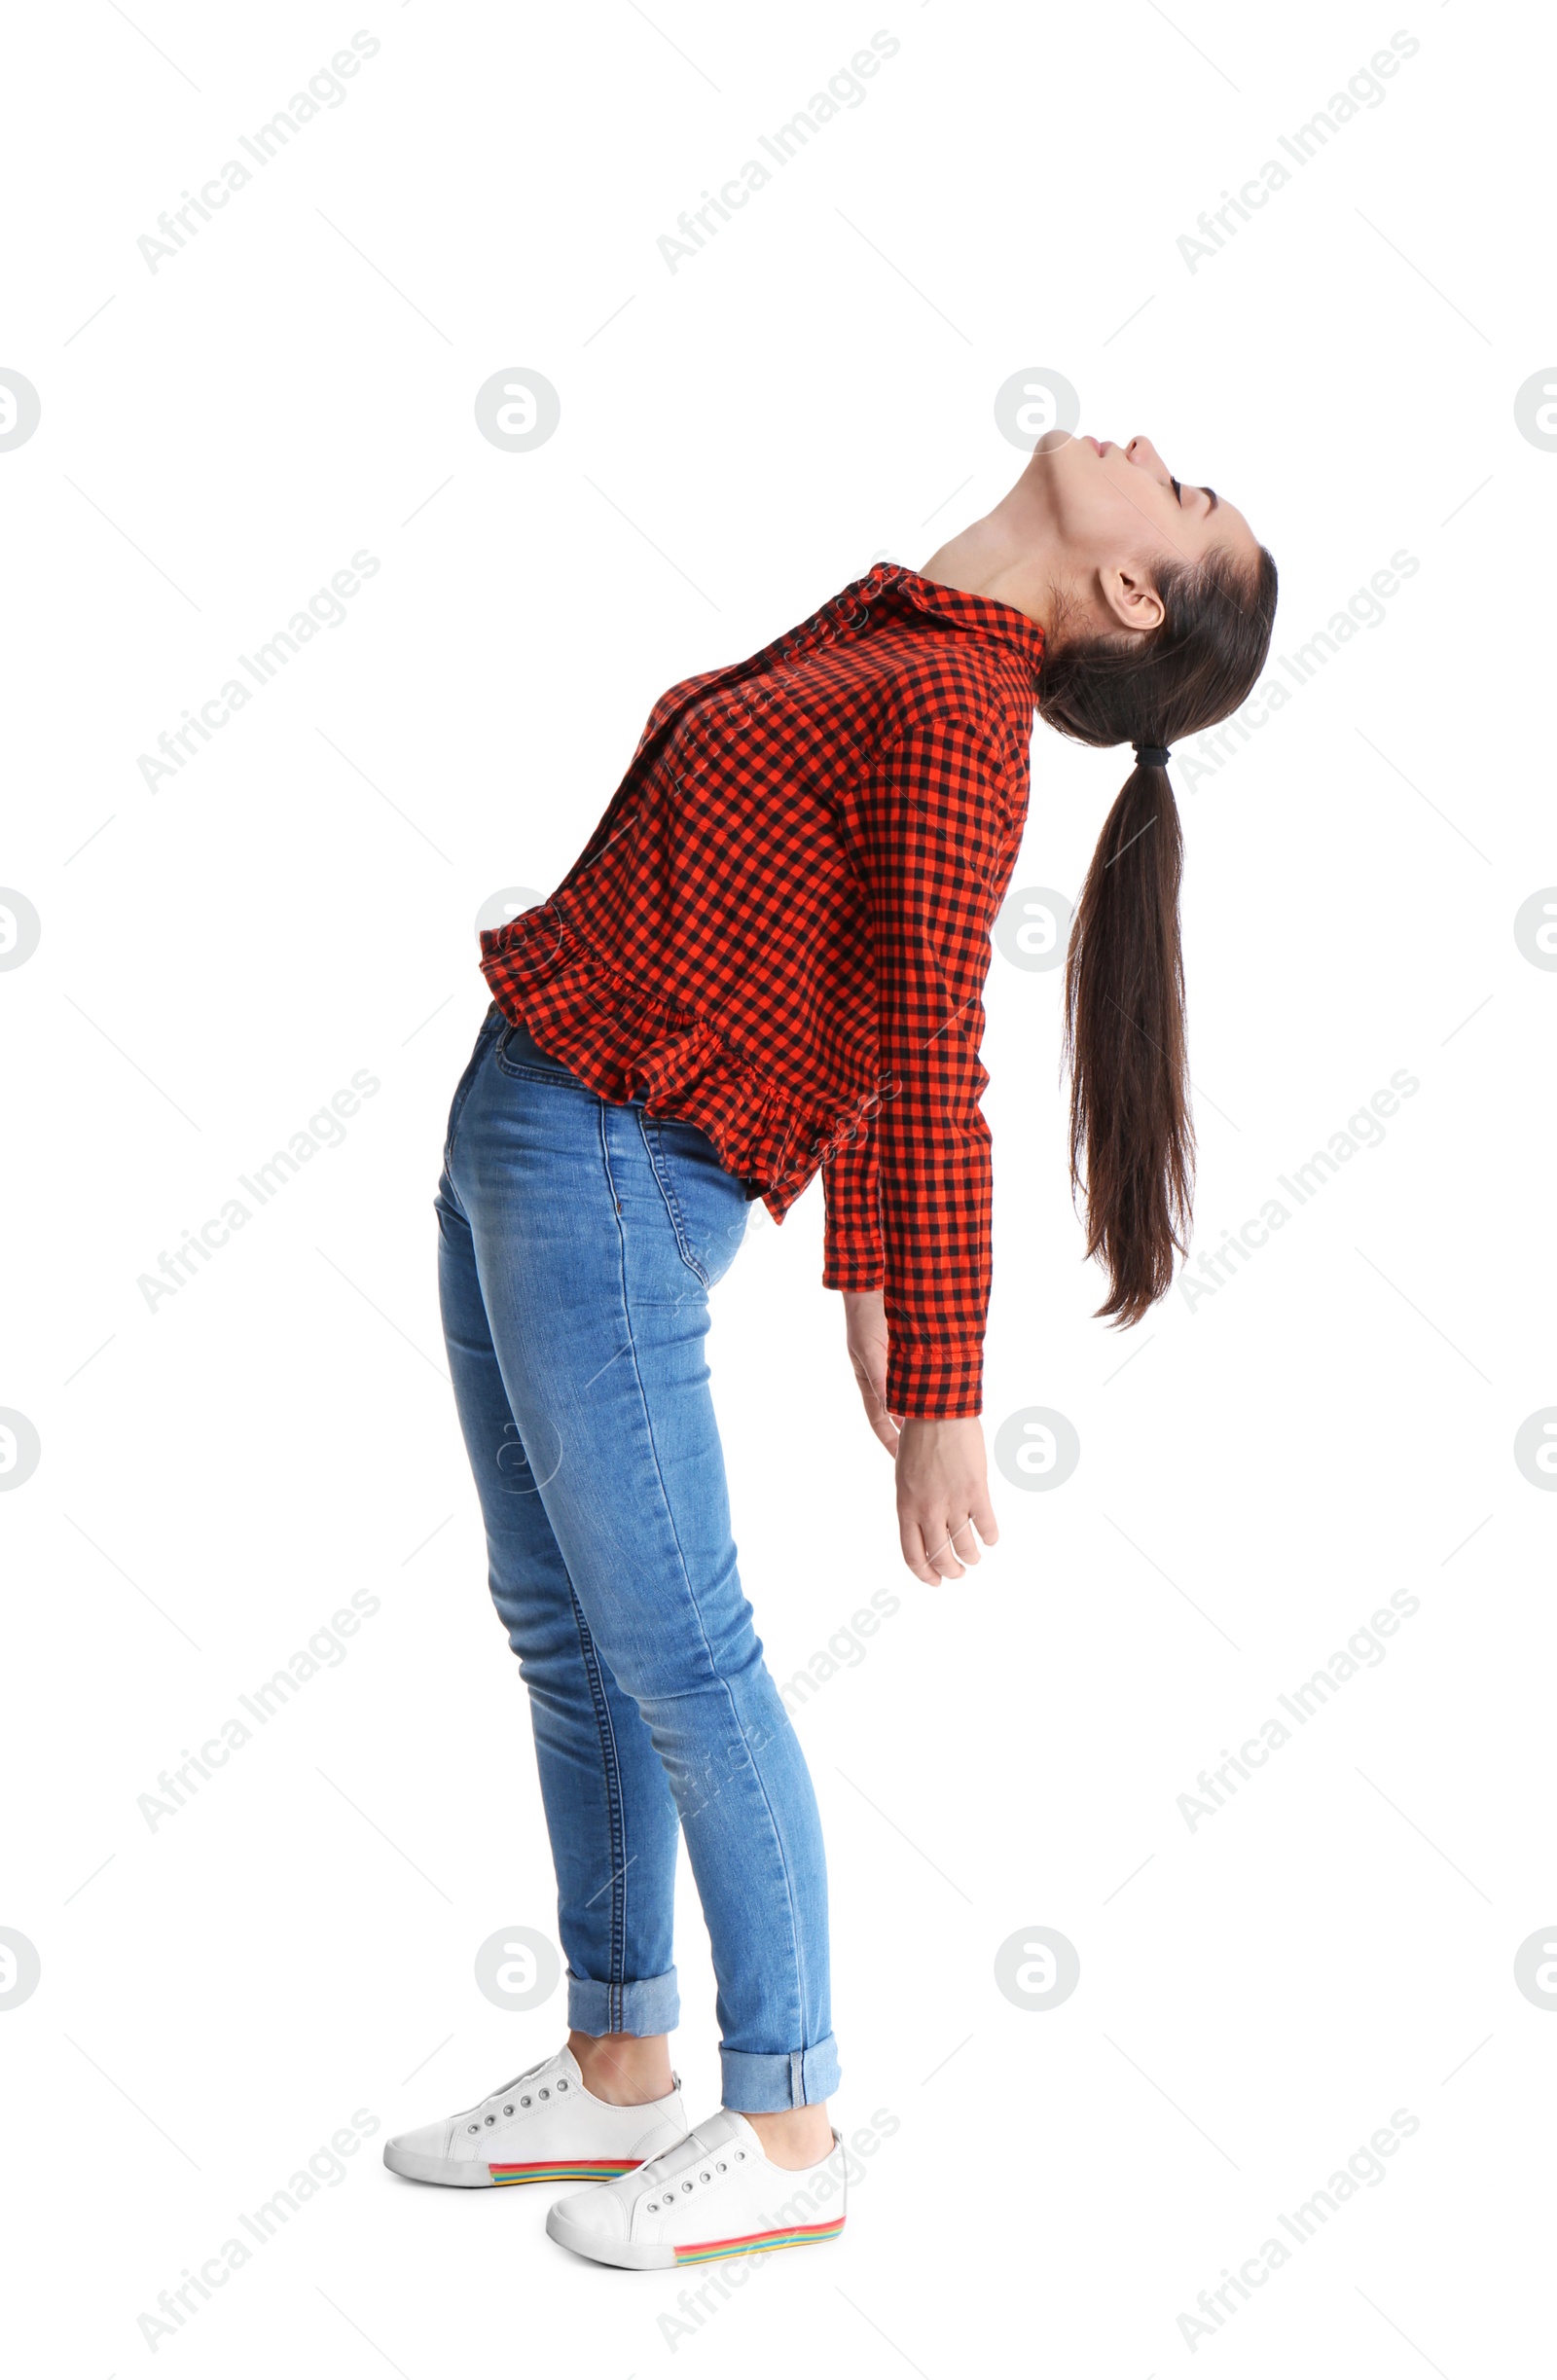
<point x="1129" y="596"/>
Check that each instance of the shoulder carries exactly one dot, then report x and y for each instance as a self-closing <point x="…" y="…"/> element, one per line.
<point x="963" y="706"/>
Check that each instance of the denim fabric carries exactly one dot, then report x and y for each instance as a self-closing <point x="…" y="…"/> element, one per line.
<point x="578" y="1242"/>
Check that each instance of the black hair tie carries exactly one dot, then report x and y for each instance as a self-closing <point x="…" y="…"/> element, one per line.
<point x="1152" y="756"/>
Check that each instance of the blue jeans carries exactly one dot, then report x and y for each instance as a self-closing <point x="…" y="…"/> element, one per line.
<point x="578" y="1241"/>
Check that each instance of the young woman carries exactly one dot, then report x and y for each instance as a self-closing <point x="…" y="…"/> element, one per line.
<point x="768" y="964"/>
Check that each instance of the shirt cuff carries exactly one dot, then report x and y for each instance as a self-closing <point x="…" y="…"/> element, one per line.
<point x="935" y="1383"/>
<point x="843" y="1272"/>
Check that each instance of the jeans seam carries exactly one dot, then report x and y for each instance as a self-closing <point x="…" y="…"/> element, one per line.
<point x="538" y="1074"/>
<point x="795" y="1935"/>
<point x="615" y="1815"/>
<point x="660" y="1166"/>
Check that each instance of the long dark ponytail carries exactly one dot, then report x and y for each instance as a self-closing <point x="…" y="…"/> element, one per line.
<point x="1131" y="1139"/>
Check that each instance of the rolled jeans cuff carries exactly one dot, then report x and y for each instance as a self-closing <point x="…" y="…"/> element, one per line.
<point x="652" y="2005"/>
<point x="765" y="2084"/>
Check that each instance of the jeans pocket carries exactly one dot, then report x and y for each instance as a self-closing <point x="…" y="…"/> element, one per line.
<point x="522" y="1060"/>
<point x="707" y="1207"/>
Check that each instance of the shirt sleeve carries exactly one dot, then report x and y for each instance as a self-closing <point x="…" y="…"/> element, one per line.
<point x="933" y="824"/>
<point x="851" y="1189"/>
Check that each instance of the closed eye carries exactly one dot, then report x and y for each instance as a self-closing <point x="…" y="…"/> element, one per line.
<point x="1178" y="493"/>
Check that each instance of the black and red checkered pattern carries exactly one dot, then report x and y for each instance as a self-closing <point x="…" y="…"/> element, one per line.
<point x="780" y="932"/>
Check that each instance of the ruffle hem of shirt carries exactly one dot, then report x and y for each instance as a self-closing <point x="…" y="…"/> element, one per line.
<point x="632" y="1045"/>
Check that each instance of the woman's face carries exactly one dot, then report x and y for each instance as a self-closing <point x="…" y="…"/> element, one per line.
<point x="1115" y="510"/>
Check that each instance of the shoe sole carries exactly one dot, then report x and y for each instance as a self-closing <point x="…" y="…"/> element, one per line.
<point x="469" y="2173"/>
<point x="664" y="2256"/>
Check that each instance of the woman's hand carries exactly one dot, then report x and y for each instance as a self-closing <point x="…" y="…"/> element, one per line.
<point x="943" y="1491"/>
<point x="865" y="1321"/>
<point x="943" y="1497"/>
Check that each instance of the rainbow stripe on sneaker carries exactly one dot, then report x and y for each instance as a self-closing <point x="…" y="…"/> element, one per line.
<point x="760" y="2243"/>
<point x="567" y="2168"/>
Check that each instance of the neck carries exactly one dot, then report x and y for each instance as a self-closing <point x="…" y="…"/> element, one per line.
<point x="1011" y="555"/>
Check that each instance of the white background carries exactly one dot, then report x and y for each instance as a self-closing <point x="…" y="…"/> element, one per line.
<point x="739" y="439"/>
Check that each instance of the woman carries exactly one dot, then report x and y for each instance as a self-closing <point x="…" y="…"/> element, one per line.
<point x="767" y="963"/>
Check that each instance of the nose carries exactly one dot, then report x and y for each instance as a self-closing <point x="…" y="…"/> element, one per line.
<point x="1142" y="450"/>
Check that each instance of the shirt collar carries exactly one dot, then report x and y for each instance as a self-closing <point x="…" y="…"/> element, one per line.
<point x="981" y="613"/>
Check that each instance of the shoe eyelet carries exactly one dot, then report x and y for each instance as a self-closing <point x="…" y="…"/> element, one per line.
<point x="492" y="2119"/>
<point x="561" y="2086"/>
<point x="719" y="2167"/>
<point x="544" y="2094"/>
<point x="703" y="2176"/>
<point x="686" y="2185"/>
<point x="524" y="2103"/>
<point x="473" y="2127"/>
<point x="740" y="2153"/>
<point x="509" y="2110"/>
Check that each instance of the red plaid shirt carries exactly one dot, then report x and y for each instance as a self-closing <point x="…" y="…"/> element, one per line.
<point x="778" y="932"/>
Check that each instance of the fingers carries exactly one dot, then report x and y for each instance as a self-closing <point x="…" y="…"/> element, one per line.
<point x="983" y="1518"/>
<point x="943" y="1497"/>
<point x="912" y="1539"/>
<point x="956" y="1551"/>
<point x="941" y="1553"/>
<point x="943" y="1550"/>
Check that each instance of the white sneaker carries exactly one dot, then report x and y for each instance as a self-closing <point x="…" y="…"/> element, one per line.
<point x="543" y="2126"/>
<point x="714" y="2194"/>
